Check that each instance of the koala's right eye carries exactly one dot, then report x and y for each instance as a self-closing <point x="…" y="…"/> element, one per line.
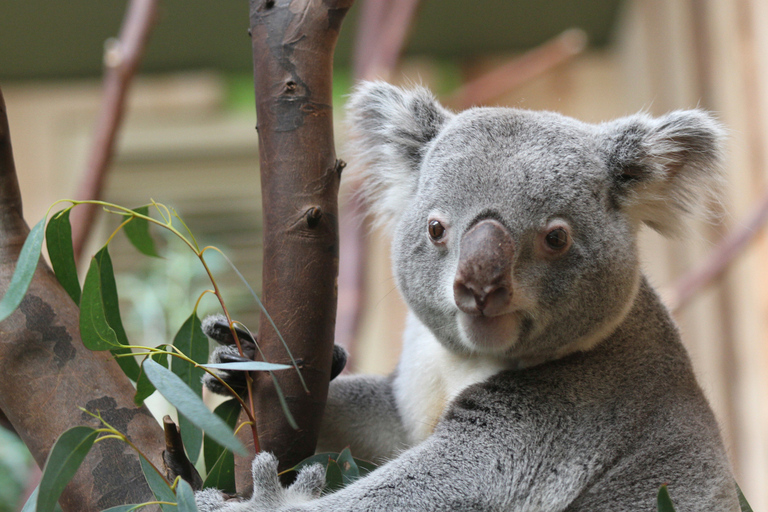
<point x="436" y="230"/>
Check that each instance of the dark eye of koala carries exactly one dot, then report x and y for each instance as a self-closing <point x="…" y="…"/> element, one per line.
<point x="436" y="230"/>
<point x="557" y="238"/>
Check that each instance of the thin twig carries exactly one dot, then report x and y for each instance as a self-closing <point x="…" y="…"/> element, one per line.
<point x="720" y="259"/>
<point x="519" y="70"/>
<point x="121" y="59"/>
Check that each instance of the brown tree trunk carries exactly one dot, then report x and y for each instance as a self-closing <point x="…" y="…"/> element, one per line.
<point x="47" y="373"/>
<point x="293" y="43"/>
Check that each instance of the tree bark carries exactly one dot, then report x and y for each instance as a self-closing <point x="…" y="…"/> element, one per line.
<point x="293" y="44"/>
<point x="48" y="373"/>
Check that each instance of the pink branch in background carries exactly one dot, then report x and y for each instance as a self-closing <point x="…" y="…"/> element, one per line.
<point x="121" y="59"/>
<point x="719" y="259"/>
<point x="381" y="35"/>
<point x="519" y="70"/>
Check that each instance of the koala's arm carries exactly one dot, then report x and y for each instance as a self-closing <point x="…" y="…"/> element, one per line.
<point x="433" y="476"/>
<point x="361" y="413"/>
<point x="454" y="471"/>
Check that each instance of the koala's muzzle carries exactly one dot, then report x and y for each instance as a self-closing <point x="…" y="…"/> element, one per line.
<point x="483" y="283"/>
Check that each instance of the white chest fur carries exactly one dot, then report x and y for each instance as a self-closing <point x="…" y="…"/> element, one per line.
<point x="429" y="376"/>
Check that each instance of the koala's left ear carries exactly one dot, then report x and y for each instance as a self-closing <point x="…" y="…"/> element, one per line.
<point x="661" y="168"/>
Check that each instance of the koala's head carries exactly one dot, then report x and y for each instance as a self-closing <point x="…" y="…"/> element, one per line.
<point x="514" y="232"/>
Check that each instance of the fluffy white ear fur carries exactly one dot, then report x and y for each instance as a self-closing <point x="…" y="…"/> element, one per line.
<point x="666" y="167"/>
<point x="390" y="130"/>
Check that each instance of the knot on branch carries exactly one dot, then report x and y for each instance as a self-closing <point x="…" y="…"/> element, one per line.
<point x="313" y="216"/>
<point x="340" y="165"/>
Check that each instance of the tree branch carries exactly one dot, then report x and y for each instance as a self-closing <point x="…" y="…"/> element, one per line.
<point x="519" y="70"/>
<point x="48" y="373"/>
<point x="293" y="44"/>
<point x="719" y="259"/>
<point x="122" y="60"/>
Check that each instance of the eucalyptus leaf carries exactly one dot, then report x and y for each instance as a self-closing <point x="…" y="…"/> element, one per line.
<point x="137" y="232"/>
<point x="364" y="466"/>
<point x="25" y="269"/>
<point x="58" y="238"/>
<point x="31" y="504"/>
<point x="349" y="470"/>
<point x="742" y="500"/>
<point x="229" y="412"/>
<point x="122" y="508"/>
<point x="221" y="475"/>
<point x="64" y="459"/>
<point x="158" y="485"/>
<point x="344" y="460"/>
<point x="144" y="387"/>
<point x="248" y="366"/>
<point x="190" y="405"/>
<point x="193" y="343"/>
<point x="663" y="501"/>
<point x="283" y="403"/>
<point x="94" y="328"/>
<point x="111" y="305"/>
<point x="334" y="479"/>
<point x="185" y="497"/>
<point x="318" y="458"/>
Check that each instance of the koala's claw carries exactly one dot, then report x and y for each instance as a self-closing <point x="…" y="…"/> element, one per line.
<point x="217" y="328"/>
<point x="236" y="380"/>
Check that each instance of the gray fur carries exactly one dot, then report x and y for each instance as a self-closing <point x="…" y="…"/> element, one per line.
<point x="580" y="396"/>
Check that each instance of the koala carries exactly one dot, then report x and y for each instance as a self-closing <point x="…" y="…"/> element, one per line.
<point x="540" y="371"/>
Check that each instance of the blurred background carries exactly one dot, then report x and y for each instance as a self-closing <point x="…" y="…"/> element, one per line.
<point x="189" y="141"/>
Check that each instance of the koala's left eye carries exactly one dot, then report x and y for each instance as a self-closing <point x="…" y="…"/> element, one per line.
<point x="436" y="230"/>
<point x="557" y="239"/>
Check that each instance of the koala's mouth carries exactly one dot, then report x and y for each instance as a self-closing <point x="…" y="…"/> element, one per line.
<point x="496" y="333"/>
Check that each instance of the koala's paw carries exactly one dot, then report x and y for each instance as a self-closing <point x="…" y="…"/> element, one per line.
<point x="217" y="328"/>
<point x="268" y="494"/>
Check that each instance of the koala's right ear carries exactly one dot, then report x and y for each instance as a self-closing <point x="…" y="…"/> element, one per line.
<point x="390" y="129"/>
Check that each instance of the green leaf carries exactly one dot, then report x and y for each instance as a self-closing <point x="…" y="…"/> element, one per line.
<point x="58" y="238"/>
<point x="94" y="329"/>
<point x="249" y="366"/>
<point x="31" y="504"/>
<point x="222" y="473"/>
<point x="112" y="313"/>
<point x="283" y="403"/>
<point x="158" y="485"/>
<point x="318" y="458"/>
<point x="137" y="232"/>
<point x="193" y="343"/>
<point x="663" y="501"/>
<point x="65" y="458"/>
<point x="25" y="269"/>
<point x="144" y="387"/>
<point x="123" y="508"/>
<point x="347" y="464"/>
<point x="742" y="500"/>
<point x="214" y="454"/>
<point x="365" y="466"/>
<point x="349" y="470"/>
<point x="190" y="405"/>
<point x="186" y="497"/>
<point x="334" y="479"/>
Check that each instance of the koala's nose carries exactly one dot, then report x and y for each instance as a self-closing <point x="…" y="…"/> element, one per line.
<point x="483" y="283"/>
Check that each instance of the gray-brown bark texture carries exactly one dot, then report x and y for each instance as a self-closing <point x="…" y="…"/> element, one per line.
<point x="47" y="373"/>
<point x="293" y="44"/>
